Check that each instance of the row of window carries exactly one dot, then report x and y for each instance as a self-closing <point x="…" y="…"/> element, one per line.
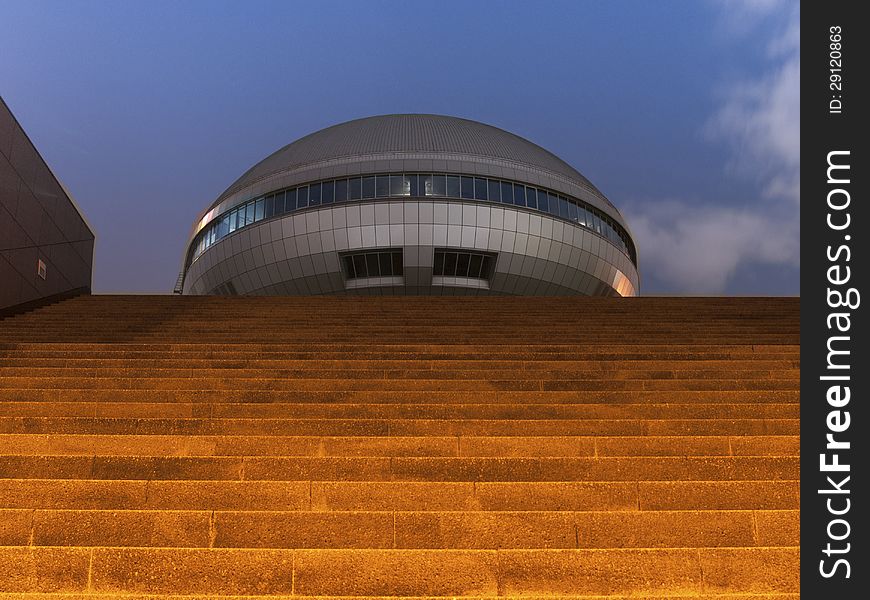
<point x="385" y="263"/>
<point x="463" y="264"/>
<point x="409" y="185"/>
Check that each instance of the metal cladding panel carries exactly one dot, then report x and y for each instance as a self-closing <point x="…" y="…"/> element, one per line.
<point x="302" y="262"/>
<point x="46" y="245"/>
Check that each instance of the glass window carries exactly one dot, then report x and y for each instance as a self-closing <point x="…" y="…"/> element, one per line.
<point x="302" y="196"/>
<point x="597" y="222"/>
<point x="400" y="185"/>
<point x="450" y="263"/>
<point x="439" y="185"/>
<point x="563" y="206"/>
<point x="413" y="190"/>
<point x="232" y="221"/>
<point x="426" y="184"/>
<point x="552" y="202"/>
<point x="382" y="186"/>
<point x="541" y="195"/>
<point x="572" y="211"/>
<point x="386" y="264"/>
<point x="355" y="188"/>
<point x="479" y="188"/>
<point x="494" y="190"/>
<point x="453" y="186"/>
<point x="259" y="210"/>
<point x="397" y="263"/>
<point x="327" y="196"/>
<point x="531" y="198"/>
<point x="467" y="187"/>
<point x="224" y="227"/>
<point x="519" y="195"/>
<point x="462" y="260"/>
<point x="372" y="265"/>
<point x="279" y="203"/>
<point x="581" y="215"/>
<point x="474" y="265"/>
<point x="359" y="265"/>
<point x="507" y="192"/>
<point x="341" y="190"/>
<point x="270" y="206"/>
<point x="249" y="213"/>
<point x="368" y="187"/>
<point x="486" y="267"/>
<point x="438" y="268"/>
<point x="348" y="267"/>
<point x="314" y="194"/>
<point x="290" y="202"/>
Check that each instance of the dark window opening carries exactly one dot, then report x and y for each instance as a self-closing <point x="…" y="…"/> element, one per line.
<point x="452" y="186"/>
<point x="379" y="263"/>
<point x="460" y="263"/>
<point x="468" y="188"/>
<point x="328" y="194"/>
<point x="382" y="186"/>
<point x="368" y="187"/>
<point x="341" y="190"/>
<point x="356" y="188"/>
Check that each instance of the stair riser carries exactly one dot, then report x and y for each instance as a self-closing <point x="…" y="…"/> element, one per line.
<point x="402" y="530"/>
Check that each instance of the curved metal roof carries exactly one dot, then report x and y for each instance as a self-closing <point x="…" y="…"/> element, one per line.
<point x="411" y="133"/>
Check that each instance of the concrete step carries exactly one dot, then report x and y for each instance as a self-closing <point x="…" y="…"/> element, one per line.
<point x="345" y="384"/>
<point x="399" y="427"/>
<point x="528" y="374"/>
<point x="686" y="399"/>
<point x="373" y="572"/>
<point x="98" y="596"/>
<point x="91" y="494"/>
<point x="400" y="352"/>
<point x="494" y="365"/>
<point x="402" y="529"/>
<point x="347" y="410"/>
<point x="717" y="468"/>
<point x="256" y="445"/>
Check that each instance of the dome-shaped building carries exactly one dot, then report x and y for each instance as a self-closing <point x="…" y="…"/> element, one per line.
<point x="411" y="204"/>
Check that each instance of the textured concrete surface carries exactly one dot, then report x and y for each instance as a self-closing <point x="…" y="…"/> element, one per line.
<point x="261" y="447"/>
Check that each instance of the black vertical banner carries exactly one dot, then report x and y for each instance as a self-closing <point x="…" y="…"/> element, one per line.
<point x="835" y="365"/>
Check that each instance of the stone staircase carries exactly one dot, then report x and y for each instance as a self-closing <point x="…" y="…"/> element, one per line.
<point x="420" y="447"/>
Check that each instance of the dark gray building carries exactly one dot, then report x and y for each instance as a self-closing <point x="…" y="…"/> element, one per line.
<point x="411" y="204"/>
<point x="46" y="246"/>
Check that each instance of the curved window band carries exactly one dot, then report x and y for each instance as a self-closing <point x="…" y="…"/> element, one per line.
<point x="405" y="185"/>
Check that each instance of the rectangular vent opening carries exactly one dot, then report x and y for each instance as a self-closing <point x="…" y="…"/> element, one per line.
<point x="469" y="264"/>
<point x="374" y="263"/>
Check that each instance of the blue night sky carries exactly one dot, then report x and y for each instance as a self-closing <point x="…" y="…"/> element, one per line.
<point x="684" y="113"/>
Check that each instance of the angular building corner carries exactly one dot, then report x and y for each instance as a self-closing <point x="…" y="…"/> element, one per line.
<point x="46" y="244"/>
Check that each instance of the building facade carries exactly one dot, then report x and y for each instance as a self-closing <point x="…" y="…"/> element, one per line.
<point x="411" y="204"/>
<point x="46" y="245"/>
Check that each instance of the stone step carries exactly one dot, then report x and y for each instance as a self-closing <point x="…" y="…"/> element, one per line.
<point x="470" y="385"/>
<point x="308" y="410"/>
<point x="93" y="494"/>
<point x="399" y="529"/>
<point x="567" y="365"/>
<point x="399" y="427"/>
<point x="528" y="374"/>
<point x="99" y="596"/>
<point x="457" y="446"/>
<point x="684" y="398"/>
<point x="355" y="572"/>
<point x="222" y="468"/>
<point x="403" y="352"/>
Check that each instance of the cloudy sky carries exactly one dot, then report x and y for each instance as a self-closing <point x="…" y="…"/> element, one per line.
<point x="683" y="112"/>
